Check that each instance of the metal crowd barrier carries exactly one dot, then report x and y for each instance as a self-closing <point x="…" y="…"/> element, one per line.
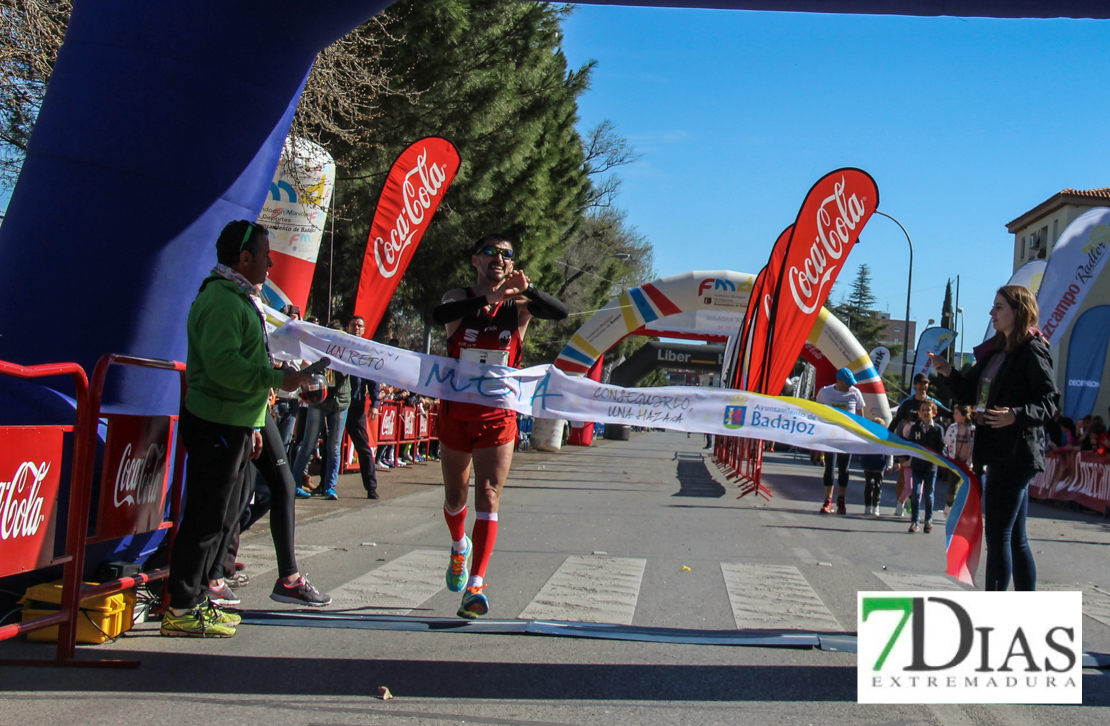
<point x="741" y="460"/>
<point x="397" y="424"/>
<point x="132" y="497"/>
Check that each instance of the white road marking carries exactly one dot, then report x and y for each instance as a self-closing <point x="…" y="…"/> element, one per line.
<point x="396" y="587"/>
<point x="774" y="596"/>
<point x="1096" y="604"/>
<point x="590" y="589"/>
<point x="900" y="581"/>
<point x="260" y="559"/>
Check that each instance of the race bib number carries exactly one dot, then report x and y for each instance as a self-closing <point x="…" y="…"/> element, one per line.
<point x="488" y="357"/>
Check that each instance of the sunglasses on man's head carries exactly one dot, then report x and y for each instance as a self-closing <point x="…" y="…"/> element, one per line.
<point x="491" y="251"/>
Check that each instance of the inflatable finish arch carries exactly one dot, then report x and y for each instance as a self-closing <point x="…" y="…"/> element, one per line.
<point x="163" y="121"/>
<point x="711" y="301"/>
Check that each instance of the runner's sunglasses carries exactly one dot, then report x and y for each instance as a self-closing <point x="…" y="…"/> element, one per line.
<point x="491" y="251"/>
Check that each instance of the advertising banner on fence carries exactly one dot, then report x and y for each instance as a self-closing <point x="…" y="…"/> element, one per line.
<point x="136" y="474"/>
<point x="1075" y="264"/>
<point x="416" y="184"/>
<point x="30" y="471"/>
<point x="295" y="212"/>
<point x="931" y="340"/>
<point x="827" y="228"/>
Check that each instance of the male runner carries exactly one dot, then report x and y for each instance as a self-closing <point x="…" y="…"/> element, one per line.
<point x="484" y="323"/>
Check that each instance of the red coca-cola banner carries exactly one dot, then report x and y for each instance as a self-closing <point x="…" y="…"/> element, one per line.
<point x="827" y="228"/>
<point x="416" y="185"/>
<point x="30" y="470"/>
<point x="135" y="474"/>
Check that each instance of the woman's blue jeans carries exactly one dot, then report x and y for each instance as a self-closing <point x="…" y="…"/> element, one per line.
<point x="314" y="421"/>
<point x="1005" y="506"/>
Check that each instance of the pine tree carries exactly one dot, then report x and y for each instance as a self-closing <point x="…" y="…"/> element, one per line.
<point x="857" y="311"/>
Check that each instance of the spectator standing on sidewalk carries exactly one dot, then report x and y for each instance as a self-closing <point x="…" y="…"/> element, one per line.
<point x="959" y="440"/>
<point x="229" y="375"/>
<point x="362" y="418"/>
<point x="1014" y="391"/>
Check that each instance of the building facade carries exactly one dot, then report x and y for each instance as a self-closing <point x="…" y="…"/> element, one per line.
<point x="1036" y="233"/>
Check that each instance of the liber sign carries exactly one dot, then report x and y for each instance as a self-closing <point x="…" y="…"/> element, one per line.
<point x="135" y="475"/>
<point x="30" y="470"/>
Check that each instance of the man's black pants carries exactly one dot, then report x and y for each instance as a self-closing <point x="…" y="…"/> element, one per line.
<point x="360" y="439"/>
<point x="215" y="481"/>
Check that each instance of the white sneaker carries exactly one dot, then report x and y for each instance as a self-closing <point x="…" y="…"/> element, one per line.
<point x="876" y="512"/>
<point x="868" y="510"/>
<point x="899" y="510"/>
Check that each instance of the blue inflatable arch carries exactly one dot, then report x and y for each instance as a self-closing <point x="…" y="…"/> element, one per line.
<point x="164" y="121"/>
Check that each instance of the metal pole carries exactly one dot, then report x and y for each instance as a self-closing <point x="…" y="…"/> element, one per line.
<point x="331" y="251"/>
<point x="909" y="287"/>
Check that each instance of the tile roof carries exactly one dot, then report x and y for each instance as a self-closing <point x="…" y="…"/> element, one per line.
<point x="1101" y="193"/>
<point x="1065" y="196"/>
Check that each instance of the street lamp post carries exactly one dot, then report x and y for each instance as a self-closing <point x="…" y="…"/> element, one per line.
<point x="909" y="287"/>
<point x="960" y="312"/>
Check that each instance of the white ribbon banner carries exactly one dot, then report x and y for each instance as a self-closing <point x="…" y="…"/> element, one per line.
<point x="546" y="392"/>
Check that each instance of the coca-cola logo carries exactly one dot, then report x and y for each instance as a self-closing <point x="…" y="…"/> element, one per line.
<point x="422" y="183"/>
<point x="20" y="501"/>
<point x="836" y="219"/>
<point x="139" y="478"/>
<point x="389" y="420"/>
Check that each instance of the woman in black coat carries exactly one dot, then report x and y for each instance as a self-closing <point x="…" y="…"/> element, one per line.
<point x="1013" y="389"/>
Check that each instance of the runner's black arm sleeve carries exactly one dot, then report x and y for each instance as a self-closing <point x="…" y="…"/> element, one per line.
<point x="449" y="312"/>
<point x="543" y="306"/>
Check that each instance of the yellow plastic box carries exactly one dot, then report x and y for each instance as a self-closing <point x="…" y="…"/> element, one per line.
<point x="99" y="620"/>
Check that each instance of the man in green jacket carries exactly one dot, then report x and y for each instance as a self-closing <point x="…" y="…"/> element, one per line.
<point x="229" y="373"/>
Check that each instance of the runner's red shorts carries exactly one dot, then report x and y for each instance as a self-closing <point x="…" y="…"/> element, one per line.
<point x="459" y="435"/>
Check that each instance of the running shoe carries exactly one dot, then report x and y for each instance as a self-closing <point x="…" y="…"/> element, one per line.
<point x="868" y="509"/>
<point x="841" y="507"/>
<point x="330" y="494"/>
<point x="223" y="595"/>
<point x="928" y="527"/>
<point x="303" y="493"/>
<point x="827" y="507"/>
<point x="457" y="570"/>
<point x="195" y="624"/>
<point x="239" y="579"/>
<point x="913" y="527"/>
<point x="877" y="512"/>
<point x="383" y="467"/>
<point x="301" y="592"/>
<point x="474" y="603"/>
<point x="217" y="614"/>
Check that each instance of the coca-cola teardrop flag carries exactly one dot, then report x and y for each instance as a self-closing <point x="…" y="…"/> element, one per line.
<point x="416" y="184"/>
<point x="751" y="348"/>
<point x="827" y="228"/>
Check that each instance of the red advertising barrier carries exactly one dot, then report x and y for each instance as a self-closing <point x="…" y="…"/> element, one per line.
<point x="132" y="495"/>
<point x="742" y="460"/>
<point x="397" y="424"/>
<point x="1074" y="476"/>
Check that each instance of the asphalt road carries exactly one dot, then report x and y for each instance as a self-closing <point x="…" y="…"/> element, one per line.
<point x="646" y="533"/>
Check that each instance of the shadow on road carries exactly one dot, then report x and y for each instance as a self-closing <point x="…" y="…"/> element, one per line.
<point x="695" y="480"/>
<point x="288" y="676"/>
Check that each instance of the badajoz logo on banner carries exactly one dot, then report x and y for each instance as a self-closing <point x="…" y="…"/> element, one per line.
<point x="970" y="647"/>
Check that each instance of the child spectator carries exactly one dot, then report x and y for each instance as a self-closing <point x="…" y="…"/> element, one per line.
<point x="874" y="466"/>
<point x="928" y="434"/>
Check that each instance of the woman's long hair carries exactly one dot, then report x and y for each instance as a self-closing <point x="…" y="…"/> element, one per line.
<point x="1024" y="305"/>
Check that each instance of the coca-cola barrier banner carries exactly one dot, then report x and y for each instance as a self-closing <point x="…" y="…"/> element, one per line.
<point x="135" y="475"/>
<point x="30" y="471"/>
<point x="416" y="185"/>
<point x="827" y="228"/>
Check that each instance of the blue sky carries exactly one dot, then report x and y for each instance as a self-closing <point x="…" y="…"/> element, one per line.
<point x="964" y="124"/>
